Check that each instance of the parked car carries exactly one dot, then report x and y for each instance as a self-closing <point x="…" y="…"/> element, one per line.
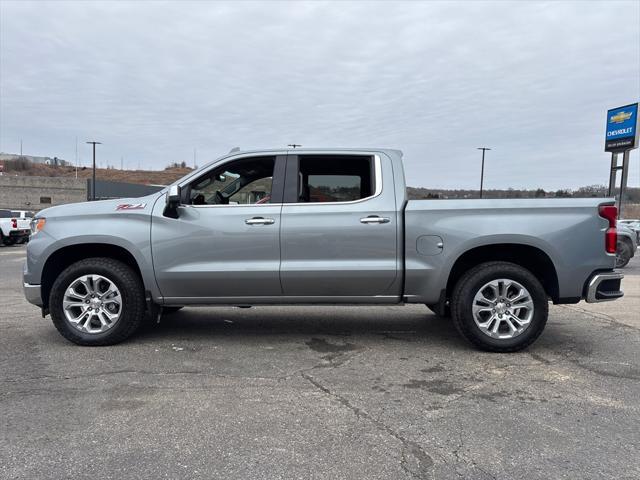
<point x="626" y="245"/>
<point x="13" y="229"/>
<point x="338" y="229"/>
<point x="633" y="225"/>
<point x="23" y="215"/>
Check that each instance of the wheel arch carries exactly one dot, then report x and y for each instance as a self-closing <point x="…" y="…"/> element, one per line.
<point x="67" y="255"/>
<point x="532" y="258"/>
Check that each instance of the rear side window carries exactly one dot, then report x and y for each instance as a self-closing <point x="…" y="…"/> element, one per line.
<point x="327" y="178"/>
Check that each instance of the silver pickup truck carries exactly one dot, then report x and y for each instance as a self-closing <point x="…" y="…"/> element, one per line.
<point x="318" y="227"/>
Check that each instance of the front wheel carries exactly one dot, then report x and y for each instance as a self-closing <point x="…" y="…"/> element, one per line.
<point x="500" y="307"/>
<point x="97" y="301"/>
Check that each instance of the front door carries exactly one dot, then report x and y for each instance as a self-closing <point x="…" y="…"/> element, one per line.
<point x="225" y="242"/>
<point x="340" y="230"/>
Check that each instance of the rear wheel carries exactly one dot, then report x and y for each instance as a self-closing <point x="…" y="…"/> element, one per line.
<point x="500" y="307"/>
<point x="97" y="301"/>
<point x="8" y="241"/>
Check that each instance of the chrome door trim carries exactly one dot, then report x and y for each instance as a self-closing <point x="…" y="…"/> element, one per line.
<point x="233" y="205"/>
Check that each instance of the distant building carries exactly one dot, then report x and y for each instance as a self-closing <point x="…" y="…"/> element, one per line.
<point x="33" y="159"/>
<point x="36" y="193"/>
<point x="106" y="190"/>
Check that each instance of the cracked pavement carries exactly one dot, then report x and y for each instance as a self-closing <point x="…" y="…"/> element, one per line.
<point x="319" y="392"/>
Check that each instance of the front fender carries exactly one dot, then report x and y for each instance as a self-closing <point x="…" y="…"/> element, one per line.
<point x="68" y="232"/>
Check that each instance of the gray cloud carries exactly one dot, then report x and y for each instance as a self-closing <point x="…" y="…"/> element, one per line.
<point x="152" y="81"/>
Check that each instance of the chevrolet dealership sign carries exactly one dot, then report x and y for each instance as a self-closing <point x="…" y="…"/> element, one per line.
<point x="622" y="129"/>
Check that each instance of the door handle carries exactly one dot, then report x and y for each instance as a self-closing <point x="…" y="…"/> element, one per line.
<point x="374" y="219"/>
<point x="259" y="221"/>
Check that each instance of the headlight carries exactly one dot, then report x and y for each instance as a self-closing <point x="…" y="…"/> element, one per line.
<point x="37" y="224"/>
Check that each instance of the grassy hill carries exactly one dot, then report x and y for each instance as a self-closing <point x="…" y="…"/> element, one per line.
<point x="145" y="177"/>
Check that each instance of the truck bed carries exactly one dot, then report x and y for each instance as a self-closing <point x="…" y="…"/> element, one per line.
<point x="562" y="228"/>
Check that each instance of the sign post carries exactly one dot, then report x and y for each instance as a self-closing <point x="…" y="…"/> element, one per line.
<point x="622" y="136"/>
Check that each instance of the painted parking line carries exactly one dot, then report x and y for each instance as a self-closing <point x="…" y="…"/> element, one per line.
<point x="12" y="252"/>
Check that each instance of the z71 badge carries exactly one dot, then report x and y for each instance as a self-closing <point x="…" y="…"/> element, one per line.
<point x="131" y="206"/>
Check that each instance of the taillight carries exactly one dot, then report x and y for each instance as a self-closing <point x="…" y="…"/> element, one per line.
<point x="610" y="213"/>
<point x="14" y="223"/>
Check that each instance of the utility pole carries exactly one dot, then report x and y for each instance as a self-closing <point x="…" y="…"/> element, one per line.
<point x="484" y="149"/>
<point x="20" y="147"/>
<point x="76" y="157"/>
<point x="194" y="158"/>
<point x="121" y="162"/>
<point x="93" y="185"/>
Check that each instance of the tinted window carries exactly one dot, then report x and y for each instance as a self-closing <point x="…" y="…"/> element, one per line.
<point x="5" y="214"/>
<point x="325" y="178"/>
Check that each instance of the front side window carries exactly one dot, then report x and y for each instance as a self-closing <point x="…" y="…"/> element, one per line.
<point x="326" y="178"/>
<point x="243" y="182"/>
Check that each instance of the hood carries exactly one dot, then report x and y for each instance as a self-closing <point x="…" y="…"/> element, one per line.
<point x="137" y="205"/>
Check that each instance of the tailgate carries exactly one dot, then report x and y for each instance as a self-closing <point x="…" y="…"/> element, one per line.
<point x="24" y="224"/>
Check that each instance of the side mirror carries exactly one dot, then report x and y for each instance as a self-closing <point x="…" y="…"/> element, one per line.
<point x="173" y="195"/>
<point x="172" y="202"/>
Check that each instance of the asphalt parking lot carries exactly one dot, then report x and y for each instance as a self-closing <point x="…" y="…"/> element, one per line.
<point x="317" y="392"/>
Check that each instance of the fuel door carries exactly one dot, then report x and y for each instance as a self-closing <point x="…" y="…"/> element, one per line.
<point x="429" y="245"/>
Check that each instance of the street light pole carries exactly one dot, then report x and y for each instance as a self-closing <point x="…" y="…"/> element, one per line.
<point x="484" y="149"/>
<point x="93" y="185"/>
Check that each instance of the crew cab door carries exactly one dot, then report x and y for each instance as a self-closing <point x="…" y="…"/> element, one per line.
<point x="225" y="241"/>
<point x="339" y="232"/>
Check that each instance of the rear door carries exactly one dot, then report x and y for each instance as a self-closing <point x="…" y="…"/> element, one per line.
<point x="339" y="228"/>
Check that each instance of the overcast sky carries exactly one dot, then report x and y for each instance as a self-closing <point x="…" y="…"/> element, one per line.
<point x="154" y="80"/>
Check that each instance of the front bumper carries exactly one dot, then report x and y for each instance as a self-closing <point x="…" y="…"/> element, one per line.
<point x="32" y="294"/>
<point x="604" y="287"/>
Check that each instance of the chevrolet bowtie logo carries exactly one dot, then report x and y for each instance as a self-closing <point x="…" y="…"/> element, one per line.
<point x="620" y="117"/>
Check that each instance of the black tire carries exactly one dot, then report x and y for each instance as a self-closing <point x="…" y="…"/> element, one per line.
<point x="472" y="281"/>
<point x="133" y="301"/>
<point x="623" y="254"/>
<point x="170" y="310"/>
<point x="8" y="241"/>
